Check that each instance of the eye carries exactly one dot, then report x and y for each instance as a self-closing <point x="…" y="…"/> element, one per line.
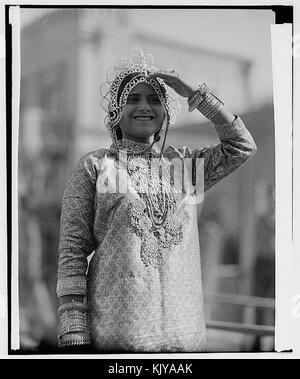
<point x="154" y="99"/>
<point x="132" y="99"/>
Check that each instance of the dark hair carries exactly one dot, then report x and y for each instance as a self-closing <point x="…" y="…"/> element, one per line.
<point x="118" y="132"/>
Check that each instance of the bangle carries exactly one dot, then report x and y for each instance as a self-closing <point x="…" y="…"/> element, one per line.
<point x="195" y="99"/>
<point x="73" y="319"/>
<point x="210" y="106"/>
<point x="73" y="340"/>
<point x="205" y="101"/>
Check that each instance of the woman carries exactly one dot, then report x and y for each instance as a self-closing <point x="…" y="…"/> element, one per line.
<point x="142" y="291"/>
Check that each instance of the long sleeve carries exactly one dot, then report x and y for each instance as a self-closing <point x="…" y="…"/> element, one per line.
<point x="76" y="229"/>
<point x="235" y="148"/>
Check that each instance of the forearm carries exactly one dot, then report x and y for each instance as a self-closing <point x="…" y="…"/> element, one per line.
<point x="209" y="105"/>
<point x="236" y="143"/>
<point x="76" y="243"/>
<point x="71" y="290"/>
<point x="223" y="117"/>
<point x="236" y="147"/>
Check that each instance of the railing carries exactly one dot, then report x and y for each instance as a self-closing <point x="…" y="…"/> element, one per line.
<point x="258" y="330"/>
<point x="250" y="304"/>
<point x="235" y="299"/>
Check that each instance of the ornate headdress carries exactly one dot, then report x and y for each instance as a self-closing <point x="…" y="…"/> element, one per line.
<point x="122" y="78"/>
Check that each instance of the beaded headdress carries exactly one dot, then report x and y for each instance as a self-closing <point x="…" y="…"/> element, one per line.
<point x="120" y="81"/>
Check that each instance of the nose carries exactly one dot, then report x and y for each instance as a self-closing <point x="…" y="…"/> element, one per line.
<point x="145" y="108"/>
<point x="143" y="104"/>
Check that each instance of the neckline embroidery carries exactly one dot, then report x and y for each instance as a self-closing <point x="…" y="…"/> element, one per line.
<point x="134" y="147"/>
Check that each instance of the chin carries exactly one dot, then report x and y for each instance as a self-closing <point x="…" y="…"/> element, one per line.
<point x="144" y="135"/>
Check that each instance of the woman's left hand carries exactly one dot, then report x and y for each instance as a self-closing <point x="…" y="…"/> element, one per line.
<point x="173" y="80"/>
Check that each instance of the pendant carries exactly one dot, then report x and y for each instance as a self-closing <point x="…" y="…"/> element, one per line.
<point x="151" y="253"/>
<point x="154" y="239"/>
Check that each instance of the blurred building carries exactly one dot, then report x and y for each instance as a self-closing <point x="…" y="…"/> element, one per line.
<point x="64" y="58"/>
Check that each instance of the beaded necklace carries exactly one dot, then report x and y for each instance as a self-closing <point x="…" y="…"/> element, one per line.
<point x="153" y="214"/>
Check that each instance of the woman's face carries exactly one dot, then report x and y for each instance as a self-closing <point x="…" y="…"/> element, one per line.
<point x="143" y="114"/>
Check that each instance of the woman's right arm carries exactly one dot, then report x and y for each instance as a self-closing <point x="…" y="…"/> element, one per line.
<point x="75" y="244"/>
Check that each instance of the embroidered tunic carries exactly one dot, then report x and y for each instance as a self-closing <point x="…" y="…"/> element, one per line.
<point x="143" y="287"/>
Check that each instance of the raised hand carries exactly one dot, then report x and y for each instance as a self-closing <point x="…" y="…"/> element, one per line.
<point x="173" y="80"/>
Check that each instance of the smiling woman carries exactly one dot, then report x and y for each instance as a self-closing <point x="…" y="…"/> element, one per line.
<point x="142" y="291"/>
<point x="143" y="114"/>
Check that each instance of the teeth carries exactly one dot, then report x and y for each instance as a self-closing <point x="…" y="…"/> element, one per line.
<point x="143" y="118"/>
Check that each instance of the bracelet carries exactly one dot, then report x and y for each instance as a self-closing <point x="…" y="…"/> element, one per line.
<point x="73" y="318"/>
<point x="73" y="322"/>
<point x="205" y="101"/>
<point x="73" y="340"/>
<point x="210" y="106"/>
<point x="195" y="99"/>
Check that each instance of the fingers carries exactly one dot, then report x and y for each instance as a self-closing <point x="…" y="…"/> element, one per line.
<point x="165" y="75"/>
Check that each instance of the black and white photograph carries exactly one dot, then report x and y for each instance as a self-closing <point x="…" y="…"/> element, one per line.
<point x="146" y="181"/>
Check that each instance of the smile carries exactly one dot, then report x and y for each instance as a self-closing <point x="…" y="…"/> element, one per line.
<point x="143" y="118"/>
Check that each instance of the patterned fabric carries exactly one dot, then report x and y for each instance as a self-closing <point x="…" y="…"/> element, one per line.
<point x="133" y="306"/>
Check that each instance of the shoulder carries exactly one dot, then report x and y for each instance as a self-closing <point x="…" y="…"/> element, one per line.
<point x="92" y="160"/>
<point x="87" y="167"/>
<point x="83" y="176"/>
<point x="95" y="155"/>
